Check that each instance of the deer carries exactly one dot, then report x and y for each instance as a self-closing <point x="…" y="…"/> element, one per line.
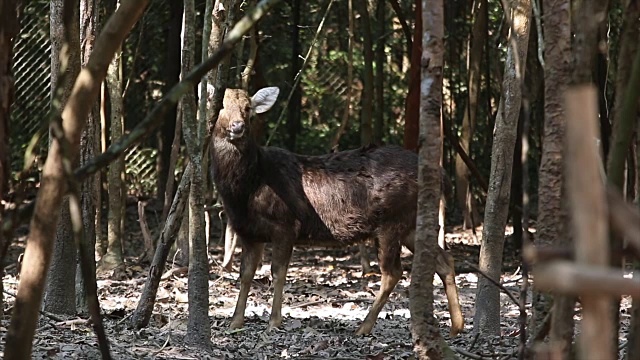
<point x="271" y="195"/>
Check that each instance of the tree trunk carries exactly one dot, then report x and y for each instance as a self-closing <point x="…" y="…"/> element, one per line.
<point x="552" y="212"/>
<point x="295" y="104"/>
<point x="37" y="255"/>
<point x="412" y="103"/>
<point x="633" y="347"/>
<point x="220" y="26"/>
<point x="586" y="193"/>
<point x="89" y="10"/>
<point x="347" y="110"/>
<point x="427" y="341"/>
<point x="170" y="229"/>
<point x="378" y="125"/>
<point x="171" y="73"/>
<point x="60" y="293"/>
<point x="198" y="327"/>
<point x="367" y="77"/>
<point x="487" y="317"/>
<point x="181" y="255"/>
<point x="624" y="125"/>
<point x="9" y="28"/>
<point x="478" y="38"/>
<point x="113" y="260"/>
<point x="101" y="140"/>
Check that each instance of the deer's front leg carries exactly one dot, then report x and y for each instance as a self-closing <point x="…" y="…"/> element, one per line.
<point x="251" y="256"/>
<point x="279" y="265"/>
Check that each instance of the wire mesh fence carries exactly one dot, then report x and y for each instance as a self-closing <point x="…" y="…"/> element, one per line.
<point x="144" y="55"/>
<point x="32" y="71"/>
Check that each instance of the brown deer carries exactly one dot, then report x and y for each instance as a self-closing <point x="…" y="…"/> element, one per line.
<point x="271" y="195"/>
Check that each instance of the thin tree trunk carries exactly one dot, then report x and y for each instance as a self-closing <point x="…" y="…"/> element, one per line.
<point x="37" y="256"/>
<point x="478" y="38"/>
<point x="204" y="53"/>
<point x="198" y="327"/>
<point x="113" y="260"/>
<point x="9" y="28"/>
<point x="171" y="73"/>
<point x="347" y="110"/>
<point x="100" y="135"/>
<point x="624" y="125"/>
<point x="412" y="103"/>
<point x="60" y="293"/>
<point x="586" y="193"/>
<point x="181" y="255"/>
<point x="427" y="341"/>
<point x="218" y="76"/>
<point x="552" y="212"/>
<point x="378" y="126"/>
<point x="173" y="160"/>
<point x="366" y="131"/>
<point x="295" y="104"/>
<point x="633" y="347"/>
<point x="487" y="317"/>
<point x="253" y="54"/>
<point x="142" y="314"/>
<point x="89" y="10"/>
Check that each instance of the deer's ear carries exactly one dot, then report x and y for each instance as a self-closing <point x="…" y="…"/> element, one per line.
<point x="264" y="99"/>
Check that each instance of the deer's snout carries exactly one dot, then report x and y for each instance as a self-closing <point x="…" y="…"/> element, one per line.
<point x="237" y="127"/>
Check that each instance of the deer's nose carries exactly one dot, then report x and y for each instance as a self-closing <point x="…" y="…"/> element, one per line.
<point x="237" y="127"/>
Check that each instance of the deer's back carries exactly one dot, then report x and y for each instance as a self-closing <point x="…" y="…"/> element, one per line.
<point x="354" y="192"/>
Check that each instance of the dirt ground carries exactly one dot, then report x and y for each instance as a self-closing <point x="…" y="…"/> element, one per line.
<point x="326" y="298"/>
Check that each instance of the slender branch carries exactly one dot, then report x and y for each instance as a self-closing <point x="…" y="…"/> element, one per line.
<point x="571" y="278"/>
<point x="405" y="26"/>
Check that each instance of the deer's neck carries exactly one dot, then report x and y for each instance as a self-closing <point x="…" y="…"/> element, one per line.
<point x="235" y="170"/>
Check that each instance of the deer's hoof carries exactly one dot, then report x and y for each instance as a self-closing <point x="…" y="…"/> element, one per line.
<point x="274" y="324"/>
<point x="236" y="324"/>
<point x="363" y="330"/>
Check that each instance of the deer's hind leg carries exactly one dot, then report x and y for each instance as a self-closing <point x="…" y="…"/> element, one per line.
<point x="391" y="270"/>
<point x="281" y="256"/>
<point x="251" y="256"/>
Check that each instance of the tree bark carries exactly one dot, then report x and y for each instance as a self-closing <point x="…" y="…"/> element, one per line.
<point x="633" y="347"/>
<point x="366" y="131"/>
<point x="60" y="293"/>
<point x="181" y="247"/>
<point x="37" y="256"/>
<point x="412" y="103"/>
<point x="624" y="125"/>
<point x="366" y="128"/>
<point x="589" y="211"/>
<point x="89" y="10"/>
<point x="487" y="317"/>
<point x="478" y="38"/>
<point x="552" y="212"/>
<point x="171" y="73"/>
<point x="378" y="125"/>
<point x="427" y="341"/>
<point x="113" y="260"/>
<point x="347" y="110"/>
<point x="295" y="104"/>
<point x="198" y="327"/>
<point x="142" y="314"/>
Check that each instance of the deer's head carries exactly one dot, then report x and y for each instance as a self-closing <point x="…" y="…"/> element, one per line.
<point x="237" y="109"/>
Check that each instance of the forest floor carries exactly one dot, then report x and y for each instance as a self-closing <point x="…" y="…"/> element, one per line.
<point x="326" y="298"/>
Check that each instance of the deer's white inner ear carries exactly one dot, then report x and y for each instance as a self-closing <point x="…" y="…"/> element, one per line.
<point x="264" y="99"/>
